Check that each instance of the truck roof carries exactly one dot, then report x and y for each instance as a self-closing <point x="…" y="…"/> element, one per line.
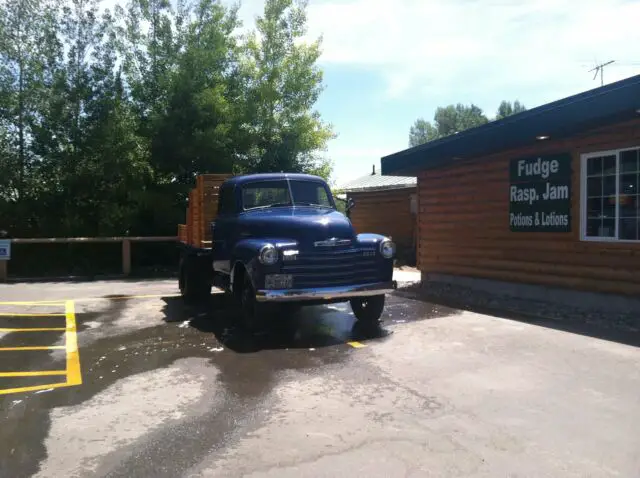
<point x="269" y="176"/>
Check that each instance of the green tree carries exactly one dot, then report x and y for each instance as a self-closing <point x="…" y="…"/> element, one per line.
<point x="506" y="108"/>
<point x="283" y="84"/>
<point x="114" y="170"/>
<point x="22" y="32"/>
<point x="105" y="119"/>
<point x="199" y="130"/>
<point x="447" y="120"/>
<point x="422" y="132"/>
<point x="149" y="50"/>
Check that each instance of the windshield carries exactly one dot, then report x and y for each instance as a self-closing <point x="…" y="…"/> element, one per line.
<point x="262" y="194"/>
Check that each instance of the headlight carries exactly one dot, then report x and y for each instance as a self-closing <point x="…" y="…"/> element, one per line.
<point x="387" y="249"/>
<point x="268" y="255"/>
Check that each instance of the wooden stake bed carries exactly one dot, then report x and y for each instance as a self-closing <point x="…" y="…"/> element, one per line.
<point x="202" y="210"/>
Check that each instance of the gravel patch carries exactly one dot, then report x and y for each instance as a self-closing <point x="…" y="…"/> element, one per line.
<point x="467" y="298"/>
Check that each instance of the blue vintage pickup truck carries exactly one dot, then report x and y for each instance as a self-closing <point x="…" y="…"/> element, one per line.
<point x="278" y="239"/>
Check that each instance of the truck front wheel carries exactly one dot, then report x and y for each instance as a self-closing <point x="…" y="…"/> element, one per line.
<point x="251" y="310"/>
<point x="368" y="310"/>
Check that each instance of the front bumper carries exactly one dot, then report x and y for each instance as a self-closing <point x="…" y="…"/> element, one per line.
<point x="326" y="293"/>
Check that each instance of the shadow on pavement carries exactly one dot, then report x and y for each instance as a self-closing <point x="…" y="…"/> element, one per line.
<point x="306" y="327"/>
<point x="575" y="324"/>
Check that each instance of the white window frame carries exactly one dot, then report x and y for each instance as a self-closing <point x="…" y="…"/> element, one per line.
<point x="583" y="196"/>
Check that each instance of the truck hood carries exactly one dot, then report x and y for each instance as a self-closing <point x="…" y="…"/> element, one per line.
<point x="303" y="224"/>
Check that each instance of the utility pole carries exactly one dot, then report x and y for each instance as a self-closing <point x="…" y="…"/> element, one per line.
<point x="600" y="68"/>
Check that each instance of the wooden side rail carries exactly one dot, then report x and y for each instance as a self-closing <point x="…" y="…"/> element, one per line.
<point x="126" y="247"/>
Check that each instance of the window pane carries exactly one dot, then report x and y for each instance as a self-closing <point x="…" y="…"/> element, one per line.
<point x="309" y="193"/>
<point x="594" y="207"/>
<point x="629" y="229"/>
<point x="609" y="207"/>
<point x="628" y="206"/>
<point x="629" y="183"/>
<point x="593" y="227"/>
<point x="629" y="161"/>
<point x="594" y="166"/>
<point x="609" y="165"/>
<point x="609" y="186"/>
<point x="608" y="228"/>
<point x="265" y="194"/>
<point x="594" y="187"/>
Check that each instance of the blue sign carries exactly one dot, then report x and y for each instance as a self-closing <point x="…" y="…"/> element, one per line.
<point x="5" y="249"/>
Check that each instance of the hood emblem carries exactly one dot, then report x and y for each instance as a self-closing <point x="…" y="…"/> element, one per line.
<point x="333" y="242"/>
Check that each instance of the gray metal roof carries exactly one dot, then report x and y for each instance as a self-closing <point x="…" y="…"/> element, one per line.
<point x="377" y="182"/>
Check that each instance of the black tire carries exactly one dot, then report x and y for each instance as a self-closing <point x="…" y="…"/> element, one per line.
<point x="251" y="317"/>
<point x="368" y="310"/>
<point x="195" y="286"/>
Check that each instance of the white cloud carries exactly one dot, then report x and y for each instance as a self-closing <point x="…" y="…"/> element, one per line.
<point x="444" y="44"/>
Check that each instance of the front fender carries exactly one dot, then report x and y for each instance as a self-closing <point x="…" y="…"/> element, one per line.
<point x="245" y="254"/>
<point x="370" y="239"/>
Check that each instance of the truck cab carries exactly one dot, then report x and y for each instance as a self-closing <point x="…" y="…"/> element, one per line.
<point x="279" y="239"/>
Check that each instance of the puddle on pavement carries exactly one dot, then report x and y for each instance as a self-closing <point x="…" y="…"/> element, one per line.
<point x="244" y="379"/>
<point x="246" y="367"/>
<point x="401" y="310"/>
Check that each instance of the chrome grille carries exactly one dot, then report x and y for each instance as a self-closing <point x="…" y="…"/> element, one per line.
<point x="334" y="267"/>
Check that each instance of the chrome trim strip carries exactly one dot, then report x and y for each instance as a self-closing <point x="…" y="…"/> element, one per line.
<point x="326" y="293"/>
<point x="332" y="242"/>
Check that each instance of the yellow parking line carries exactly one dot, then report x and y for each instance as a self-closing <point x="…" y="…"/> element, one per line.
<point x="74" y="376"/>
<point x="72" y="372"/>
<point x="40" y="373"/>
<point x="356" y="345"/>
<point x="50" y="347"/>
<point x="44" y="329"/>
<point x="33" y="388"/>
<point x="22" y="314"/>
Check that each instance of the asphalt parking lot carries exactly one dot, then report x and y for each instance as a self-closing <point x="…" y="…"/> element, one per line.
<point x="119" y="378"/>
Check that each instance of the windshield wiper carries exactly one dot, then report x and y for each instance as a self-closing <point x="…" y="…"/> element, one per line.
<point x="266" y="206"/>
<point x="311" y="204"/>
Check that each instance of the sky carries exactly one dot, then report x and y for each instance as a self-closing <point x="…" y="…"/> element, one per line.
<point x="387" y="63"/>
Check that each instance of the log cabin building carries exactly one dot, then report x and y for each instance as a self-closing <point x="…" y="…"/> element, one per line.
<point x="546" y="197"/>
<point x="385" y="205"/>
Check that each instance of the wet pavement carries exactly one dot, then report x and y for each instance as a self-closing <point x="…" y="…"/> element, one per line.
<point x="158" y="389"/>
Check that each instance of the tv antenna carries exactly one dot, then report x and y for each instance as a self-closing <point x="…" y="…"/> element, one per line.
<point x="600" y="68"/>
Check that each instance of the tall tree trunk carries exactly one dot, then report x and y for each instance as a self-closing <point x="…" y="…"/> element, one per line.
<point x="21" y="146"/>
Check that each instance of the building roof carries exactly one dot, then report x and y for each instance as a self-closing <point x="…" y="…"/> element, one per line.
<point x="617" y="102"/>
<point x="377" y="182"/>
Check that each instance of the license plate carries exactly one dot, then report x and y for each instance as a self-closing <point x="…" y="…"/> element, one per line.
<point x="278" y="281"/>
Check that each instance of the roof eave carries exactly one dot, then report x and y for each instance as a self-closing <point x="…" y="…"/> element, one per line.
<point x="560" y="119"/>
<point x="379" y="188"/>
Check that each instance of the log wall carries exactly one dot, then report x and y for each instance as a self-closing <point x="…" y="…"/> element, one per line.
<point x="463" y="224"/>
<point x="385" y="212"/>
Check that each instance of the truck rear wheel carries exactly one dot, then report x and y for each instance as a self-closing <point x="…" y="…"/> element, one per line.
<point x="368" y="310"/>
<point x="194" y="284"/>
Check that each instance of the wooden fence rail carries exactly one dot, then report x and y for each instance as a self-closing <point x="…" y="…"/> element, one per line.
<point x="126" y="247"/>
